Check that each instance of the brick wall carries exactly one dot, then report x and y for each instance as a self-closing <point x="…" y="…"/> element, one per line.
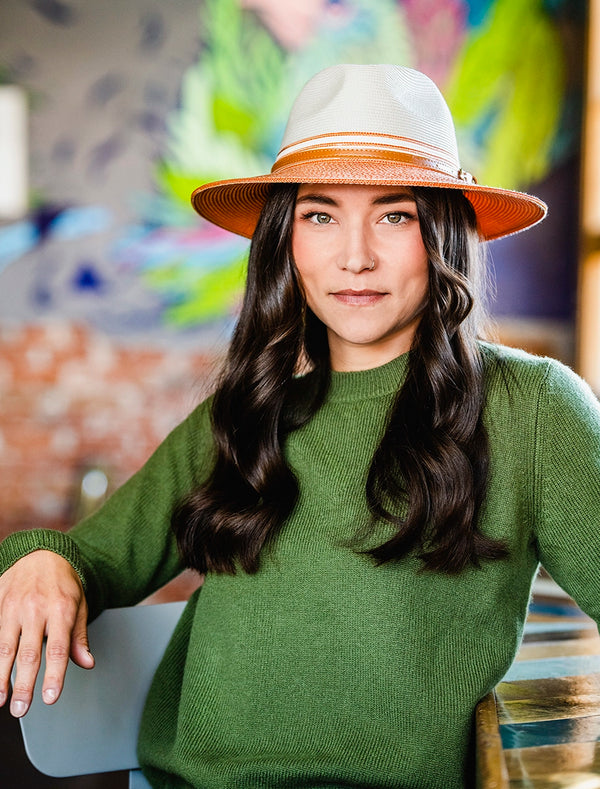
<point x="70" y="399"/>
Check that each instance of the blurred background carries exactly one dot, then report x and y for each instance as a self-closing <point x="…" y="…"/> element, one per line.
<point x="116" y="300"/>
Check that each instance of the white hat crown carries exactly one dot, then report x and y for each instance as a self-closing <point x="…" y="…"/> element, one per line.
<point x="373" y="105"/>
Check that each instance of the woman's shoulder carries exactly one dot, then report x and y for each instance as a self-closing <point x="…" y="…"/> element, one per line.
<point x="525" y="375"/>
<point x="495" y="355"/>
<point x="501" y="359"/>
<point x="192" y="435"/>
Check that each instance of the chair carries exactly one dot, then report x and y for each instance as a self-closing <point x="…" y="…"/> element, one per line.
<point x="93" y="726"/>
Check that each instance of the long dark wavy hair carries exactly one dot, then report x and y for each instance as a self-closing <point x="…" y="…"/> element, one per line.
<point x="432" y="461"/>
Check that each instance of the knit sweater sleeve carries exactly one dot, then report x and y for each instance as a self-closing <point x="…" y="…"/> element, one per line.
<point x="126" y="550"/>
<point x="567" y="485"/>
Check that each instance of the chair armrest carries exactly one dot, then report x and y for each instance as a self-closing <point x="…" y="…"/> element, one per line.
<point x="93" y="727"/>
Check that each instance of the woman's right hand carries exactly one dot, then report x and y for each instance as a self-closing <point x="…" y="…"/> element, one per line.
<point x="41" y="596"/>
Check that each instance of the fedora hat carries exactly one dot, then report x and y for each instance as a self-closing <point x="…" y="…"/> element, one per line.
<point x="374" y="125"/>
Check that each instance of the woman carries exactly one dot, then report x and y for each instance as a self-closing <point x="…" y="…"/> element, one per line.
<point x="369" y="491"/>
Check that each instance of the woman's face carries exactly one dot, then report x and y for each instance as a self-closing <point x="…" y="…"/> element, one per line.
<point x="364" y="269"/>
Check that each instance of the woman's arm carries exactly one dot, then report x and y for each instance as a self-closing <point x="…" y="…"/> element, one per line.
<point x="568" y="486"/>
<point x="116" y="557"/>
<point x="127" y="550"/>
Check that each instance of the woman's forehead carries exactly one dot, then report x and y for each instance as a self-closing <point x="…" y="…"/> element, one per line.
<point x="372" y="193"/>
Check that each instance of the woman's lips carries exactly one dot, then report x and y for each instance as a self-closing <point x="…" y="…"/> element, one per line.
<point x="358" y="297"/>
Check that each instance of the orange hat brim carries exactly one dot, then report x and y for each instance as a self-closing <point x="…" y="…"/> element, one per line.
<point x="236" y="204"/>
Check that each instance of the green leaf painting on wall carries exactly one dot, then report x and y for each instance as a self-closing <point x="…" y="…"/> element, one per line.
<point x="505" y="102"/>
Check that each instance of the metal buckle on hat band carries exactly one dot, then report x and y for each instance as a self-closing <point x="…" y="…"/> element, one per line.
<point x="466" y="177"/>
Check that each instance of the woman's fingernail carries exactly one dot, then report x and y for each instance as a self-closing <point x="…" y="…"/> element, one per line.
<point x="18" y="708"/>
<point x="50" y="695"/>
<point x="2" y="697"/>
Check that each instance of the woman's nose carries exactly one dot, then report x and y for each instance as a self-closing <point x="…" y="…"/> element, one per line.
<point x="356" y="255"/>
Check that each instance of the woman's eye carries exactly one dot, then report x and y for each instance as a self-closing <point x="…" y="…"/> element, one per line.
<point x="396" y="219"/>
<point x="316" y="217"/>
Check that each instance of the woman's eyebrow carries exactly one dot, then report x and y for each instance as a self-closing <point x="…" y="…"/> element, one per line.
<point x="316" y="198"/>
<point x="385" y="199"/>
<point x="396" y="197"/>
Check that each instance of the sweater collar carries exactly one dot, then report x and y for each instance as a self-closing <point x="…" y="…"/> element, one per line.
<point x="363" y="384"/>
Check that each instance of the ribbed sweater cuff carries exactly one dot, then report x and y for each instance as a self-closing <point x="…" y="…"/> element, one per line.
<point x="22" y="543"/>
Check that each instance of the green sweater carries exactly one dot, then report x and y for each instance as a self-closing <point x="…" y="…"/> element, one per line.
<point x="323" y="670"/>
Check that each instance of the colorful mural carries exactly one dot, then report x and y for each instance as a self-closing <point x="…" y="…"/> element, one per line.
<point x="166" y="97"/>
